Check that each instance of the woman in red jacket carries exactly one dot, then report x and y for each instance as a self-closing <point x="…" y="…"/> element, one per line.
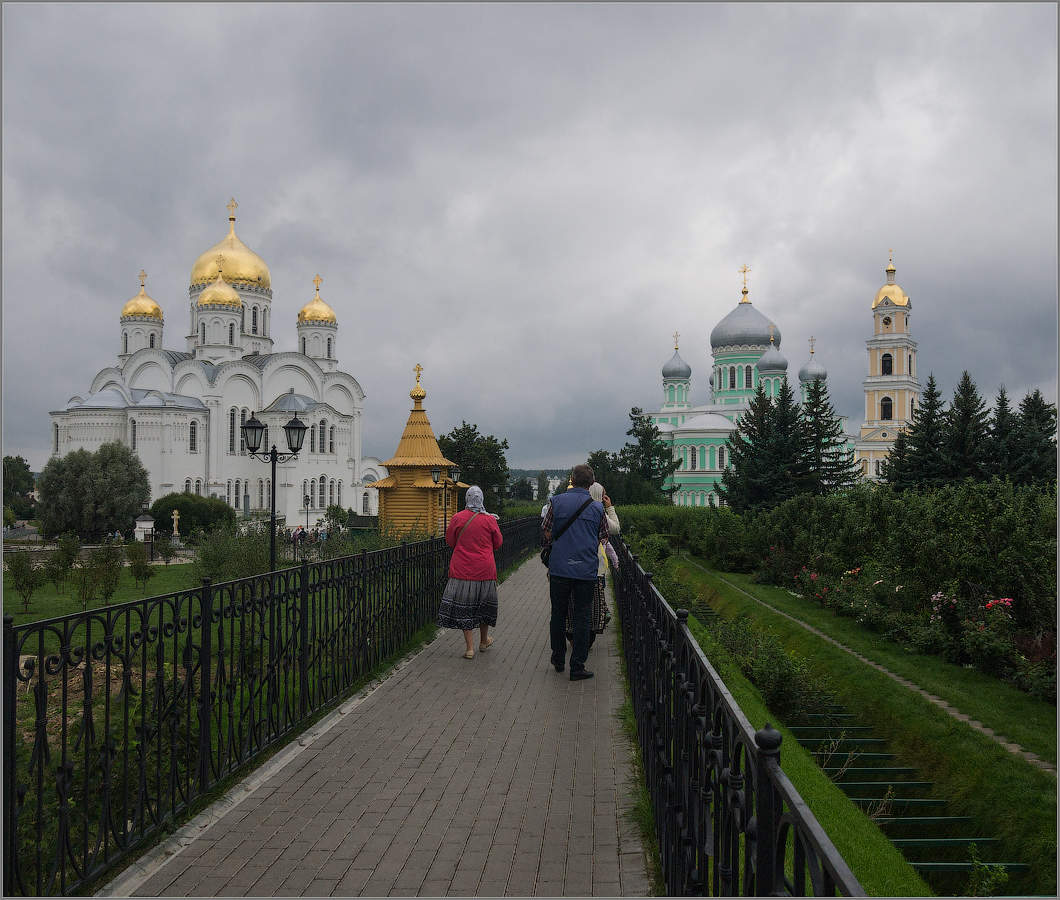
<point x="469" y="600"/>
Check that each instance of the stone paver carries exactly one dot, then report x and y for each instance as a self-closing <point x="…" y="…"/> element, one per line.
<point x="493" y="776"/>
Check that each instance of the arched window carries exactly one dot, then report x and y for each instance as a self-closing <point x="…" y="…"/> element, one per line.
<point x="151" y="341"/>
<point x="268" y="488"/>
<point x="303" y="346"/>
<point x="238" y="493"/>
<point x="242" y="439"/>
<point x="364" y="504"/>
<point x="261" y="494"/>
<point x="323" y="433"/>
<point x="748" y="377"/>
<point x="265" y="438"/>
<point x="670" y="393"/>
<point x="254" y="320"/>
<point x="909" y="369"/>
<point x="193" y="437"/>
<point x="912" y="406"/>
<point x="886" y="364"/>
<point x="331" y="492"/>
<point x="187" y="485"/>
<point x="265" y="322"/>
<point x="329" y="348"/>
<point x="713" y="458"/>
<point x="198" y="487"/>
<point x="338" y="493"/>
<point x="132" y="433"/>
<point x="312" y="439"/>
<point x="202" y="333"/>
<point x="231" y="334"/>
<point x="321" y="489"/>
<point x="125" y="342"/>
<point x="243" y="319"/>
<point x="877" y="467"/>
<point x="232" y="430"/>
<point x="55" y="436"/>
<point x="721" y="457"/>
<point x="228" y="492"/>
<point x="692" y="458"/>
<point x="305" y="492"/>
<point x="331" y="439"/>
<point x="732" y="378"/>
<point x="885" y="408"/>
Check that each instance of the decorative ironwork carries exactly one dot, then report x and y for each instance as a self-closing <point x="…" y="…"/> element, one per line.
<point x="117" y="720"/>
<point x="729" y="821"/>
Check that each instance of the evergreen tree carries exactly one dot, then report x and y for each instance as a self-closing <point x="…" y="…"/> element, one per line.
<point x="748" y="483"/>
<point x="648" y="456"/>
<point x="1004" y="431"/>
<point x="966" y="433"/>
<point x="1035" y="453"/>
<point x="788" y="458"/>
<point x="481" y="460"/>
<point x="830" y="465"/>
<point x="896" y="466"/>
<point x="924" y="463"/>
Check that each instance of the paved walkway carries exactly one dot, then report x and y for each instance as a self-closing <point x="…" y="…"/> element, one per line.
<point x="1011" y="746"/>
<point x="492" y="776"/>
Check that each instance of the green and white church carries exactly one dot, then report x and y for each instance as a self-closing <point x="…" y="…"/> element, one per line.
<point x="746" y="350"/>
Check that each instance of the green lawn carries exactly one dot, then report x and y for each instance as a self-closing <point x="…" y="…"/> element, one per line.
<point x="1006" y="796"/>
<point x="1003" y="707"/>
<point x="47" y="602"/>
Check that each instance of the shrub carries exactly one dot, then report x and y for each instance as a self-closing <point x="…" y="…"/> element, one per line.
<point x="26" y="575"/>
<point x="196" y="512"/>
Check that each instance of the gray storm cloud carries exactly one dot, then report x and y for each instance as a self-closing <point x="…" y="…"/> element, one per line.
<point x="529" y="200"/>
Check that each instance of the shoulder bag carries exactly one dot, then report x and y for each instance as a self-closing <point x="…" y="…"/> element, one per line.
<point x="546" y="551"/>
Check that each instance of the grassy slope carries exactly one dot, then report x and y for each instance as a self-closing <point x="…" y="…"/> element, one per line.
<point x="1009" y="798"/>
<point x="1003" y="707"/>
<point x="874" y="860"/>
<point x="46" y="603"/>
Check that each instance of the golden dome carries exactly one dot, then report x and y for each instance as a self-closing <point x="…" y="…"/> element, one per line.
<point x="219" y="292"/>
<point x="242" y="265"/>
<point x="890" y="290"/>
<point x="316" y="310"/>
<point x="141" y="304"/>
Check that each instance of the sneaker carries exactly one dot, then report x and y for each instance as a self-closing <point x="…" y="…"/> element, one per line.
<point x="580" y="674"/>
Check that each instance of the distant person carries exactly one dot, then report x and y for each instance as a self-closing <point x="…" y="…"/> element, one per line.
<point x="601" y="615"/>
<point x="469" y="600"/>
<point x="578" y="524"/>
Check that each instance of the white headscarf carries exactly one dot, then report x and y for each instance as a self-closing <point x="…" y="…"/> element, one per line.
<point x="474" y="499"/>
<point x="596" y="491"/>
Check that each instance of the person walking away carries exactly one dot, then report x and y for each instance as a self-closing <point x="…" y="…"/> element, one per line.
<point x="579" y="524"/>
<point x="469" y="600"/>
<point x="600" y="615"/>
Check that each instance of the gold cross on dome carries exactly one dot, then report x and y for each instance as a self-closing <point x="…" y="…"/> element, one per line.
<point x="743" y="270"/>
<point x="143" y="277"/>
<point x="220" y="263"/>
<point x="231" y="207"/>
<point x="677" y="334"/>
<point x="417" y="369"/>
<point x="813" y="341"/>
<point x="317" y="282"/>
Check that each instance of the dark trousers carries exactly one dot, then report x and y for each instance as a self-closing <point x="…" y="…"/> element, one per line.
<point x="579" y="595"/>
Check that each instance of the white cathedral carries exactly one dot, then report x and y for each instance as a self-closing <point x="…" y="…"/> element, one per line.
<point x="181" y="411"/>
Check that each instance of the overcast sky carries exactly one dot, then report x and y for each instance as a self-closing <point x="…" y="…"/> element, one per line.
<point x="529" y="200"/>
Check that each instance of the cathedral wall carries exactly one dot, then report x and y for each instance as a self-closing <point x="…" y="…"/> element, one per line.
<point x="149" y="375"/>
<point x="280" y="380"/>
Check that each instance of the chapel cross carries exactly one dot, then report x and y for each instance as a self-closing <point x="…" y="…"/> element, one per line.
<point x="743" y="270"/>
<point x="813" y="341"/>
<point x="417" y="369"/>
<point x="220" y="263"/>
<point x="318" y="281"/>
<point x="677" y="334"/>
<point x="143" y="278"/>
<point x="176" y="519"/>
<point x="231" y="207"/>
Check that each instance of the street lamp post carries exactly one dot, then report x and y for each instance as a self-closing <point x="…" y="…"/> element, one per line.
<point x="253" y="431"/>
<point x="445" y="481"/>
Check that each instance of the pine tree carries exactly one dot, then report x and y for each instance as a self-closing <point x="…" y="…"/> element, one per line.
<point x="966" y="433"/>
<point x="789" y="463"/>
<point x="924" y="462"/>
<point x="649" y="457"/>
<point x="1004" y="432"/>
<point x="896" y="466"/>
<point x="1035" y="455"/>
<point x="831" y="466"/>
<point x="745" y="484"/>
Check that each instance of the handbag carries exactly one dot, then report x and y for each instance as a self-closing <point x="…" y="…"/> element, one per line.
<point x="546" y="551"/>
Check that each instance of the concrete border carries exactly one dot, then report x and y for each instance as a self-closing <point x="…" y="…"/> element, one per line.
<point x="129" y="879"/>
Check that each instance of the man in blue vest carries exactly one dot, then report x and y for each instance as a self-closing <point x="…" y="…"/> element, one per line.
<point x="579" y="523"/>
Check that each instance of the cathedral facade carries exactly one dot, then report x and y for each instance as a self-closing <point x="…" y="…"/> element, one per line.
<point x="745" y="346"/>
<point x="181" y="411"/>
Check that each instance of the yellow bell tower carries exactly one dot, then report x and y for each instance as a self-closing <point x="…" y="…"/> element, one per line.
<point x="892" y="388"/>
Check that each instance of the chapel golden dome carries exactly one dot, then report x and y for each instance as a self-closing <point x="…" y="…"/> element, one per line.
<point x="316" y="310"/>
<point x="141" y="304"/>
<point x="242" y="265"/>
<point x="890" y="290"/>
<point x="219" y="292"/>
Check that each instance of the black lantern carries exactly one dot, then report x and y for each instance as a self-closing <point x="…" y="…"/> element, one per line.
<point x="456" y="473"/>
<point x="253" y="430"/>
<point x="436" y="474"/>
<point x="295" y="430"/>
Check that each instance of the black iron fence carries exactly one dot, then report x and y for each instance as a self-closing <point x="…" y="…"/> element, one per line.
<point x="118" y="719"/>
<point x="729" y="821"/>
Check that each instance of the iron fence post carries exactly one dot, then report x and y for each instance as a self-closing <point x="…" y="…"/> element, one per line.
<point x="303" y="639"/>
<point x="205" y="651"/>
<point x="10" y="677"/>
<point x="768" y="880"/>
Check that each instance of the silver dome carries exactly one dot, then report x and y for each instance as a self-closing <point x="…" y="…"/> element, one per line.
<point x="744" y="325"/>
<point x="677" y="368"/>
<point x="772" y="362"/>
<point x="813" y="371"/>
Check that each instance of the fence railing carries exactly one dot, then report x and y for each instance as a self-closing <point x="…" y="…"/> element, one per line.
<point x="116" y="720"/>
<point x="729" y="822"/>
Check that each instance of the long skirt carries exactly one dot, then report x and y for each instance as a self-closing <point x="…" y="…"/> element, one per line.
<point x="468" y="604"/>
<point x="599" y="614"/>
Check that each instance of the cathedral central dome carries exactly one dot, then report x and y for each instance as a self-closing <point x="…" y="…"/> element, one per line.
<point x="242" y="265"/>
<point x="744" y="326"/>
